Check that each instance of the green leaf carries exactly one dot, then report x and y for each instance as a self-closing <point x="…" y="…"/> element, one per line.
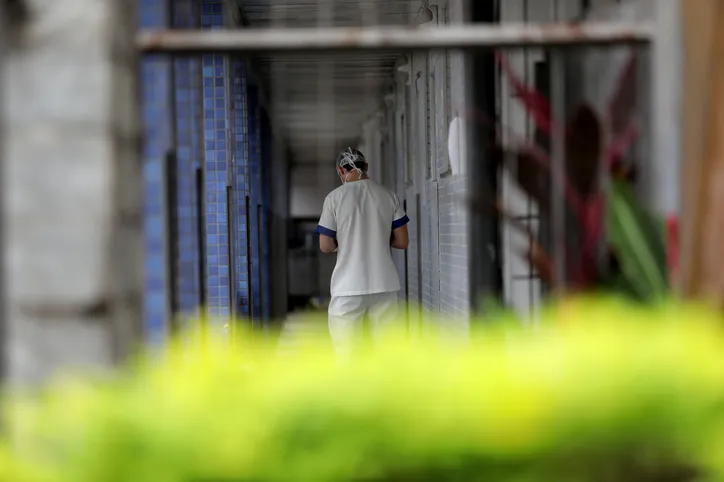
<point x="638" y="239"/>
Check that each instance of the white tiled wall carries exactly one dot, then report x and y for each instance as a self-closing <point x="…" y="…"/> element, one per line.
<point x="437" y="259"/>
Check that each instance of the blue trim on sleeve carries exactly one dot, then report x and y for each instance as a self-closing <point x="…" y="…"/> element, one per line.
<point x="327" y="232"/>
<point x="400" y="222"/>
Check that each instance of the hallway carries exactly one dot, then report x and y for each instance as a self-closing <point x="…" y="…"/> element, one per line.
<point x="170" y="160"/>
<point x="240" y="155"/>
<point x="249" y="158"/>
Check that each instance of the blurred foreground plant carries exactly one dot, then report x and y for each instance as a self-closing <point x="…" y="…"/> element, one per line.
<point x="615" y="398"/>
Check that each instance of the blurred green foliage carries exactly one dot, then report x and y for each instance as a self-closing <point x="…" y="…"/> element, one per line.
<point x="601" y="390"/>
<point x="639" y="243"/>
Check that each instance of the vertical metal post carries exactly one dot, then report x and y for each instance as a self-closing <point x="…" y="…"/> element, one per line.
<point x="260" y="250"/>
<point x="418" y="227"/>
<point x="666" y="111"/>
<point x="486" y="277"/>
<point x="171" y="188"/>
<point x="231" y="233"/>
<point x="558" y="150"/>
<point x="247" y="210"/>
<point x="407" y="281"/>
<point x="201" y="239"/>
<point x="542" y="80"/>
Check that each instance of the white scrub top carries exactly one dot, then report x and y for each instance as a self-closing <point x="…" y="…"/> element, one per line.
<point x="361" y="215"/>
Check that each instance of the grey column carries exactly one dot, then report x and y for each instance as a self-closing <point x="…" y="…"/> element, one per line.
<point x="73" y="189"/>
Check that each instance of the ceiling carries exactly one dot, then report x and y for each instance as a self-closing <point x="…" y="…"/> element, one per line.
<point x="321" y="101"/>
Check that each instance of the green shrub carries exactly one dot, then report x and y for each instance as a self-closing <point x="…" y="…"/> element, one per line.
<point x="604" y="392"/>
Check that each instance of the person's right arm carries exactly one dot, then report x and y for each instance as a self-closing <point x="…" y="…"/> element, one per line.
<point x="327" y="229"/>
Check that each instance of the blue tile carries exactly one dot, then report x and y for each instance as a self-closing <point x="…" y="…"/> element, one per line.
<point x="187" y="126"/>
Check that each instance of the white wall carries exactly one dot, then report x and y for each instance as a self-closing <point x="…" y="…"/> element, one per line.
<point x="427" y="99"/>
<point x="658" y="151"/>
<point x="310" y="184"/>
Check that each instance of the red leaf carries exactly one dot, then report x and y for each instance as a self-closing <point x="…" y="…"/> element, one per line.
<point x="623" y="101"/>
<point x="583" y="150"/>
<point x="624" y="128"/>
<point x="592" y="229"/>
<point x="535" y="103"/>
<point x="531" y="150"/>
<point x="621" y="144"/>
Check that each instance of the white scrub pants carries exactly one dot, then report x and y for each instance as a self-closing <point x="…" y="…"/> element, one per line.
<point x="347" y="314"/>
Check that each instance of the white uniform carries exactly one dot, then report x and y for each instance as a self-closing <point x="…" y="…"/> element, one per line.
<point x="361" y="215"/>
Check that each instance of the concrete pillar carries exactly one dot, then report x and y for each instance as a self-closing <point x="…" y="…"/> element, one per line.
<point x="73" y="189"/>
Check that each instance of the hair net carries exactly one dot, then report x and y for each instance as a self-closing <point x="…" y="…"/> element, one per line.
<point x="353" y="158"/>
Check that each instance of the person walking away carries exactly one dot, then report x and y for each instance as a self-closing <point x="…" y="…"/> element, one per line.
<point x="361" y="221"/>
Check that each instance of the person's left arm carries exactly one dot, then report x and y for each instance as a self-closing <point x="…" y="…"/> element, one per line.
<point x="327" y="228"/>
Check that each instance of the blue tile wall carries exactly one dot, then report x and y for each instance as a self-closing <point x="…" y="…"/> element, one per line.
<point x="156" y="82"/>
<point x="241" y="176"/>
<point x="253" y="119"/>
<point x="187" y="73"/>
<point x="206" y="105"/>
<point x="217" y="162"/>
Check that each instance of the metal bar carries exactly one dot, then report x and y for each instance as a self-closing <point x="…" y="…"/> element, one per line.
<point x="666" y="108"/>
<point x="249" y="279"/>
<point x="558" y="151"/>
<point x="392" y="38"/>
<point x="418" y="227"/>
<point x="542" y="81"/>
<point x="260" y="251"/>
<point x="201" y="238"/>
<point x="171" y="180"/>
<point x="481" y="90"/>
<point x="231" y="251"/>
